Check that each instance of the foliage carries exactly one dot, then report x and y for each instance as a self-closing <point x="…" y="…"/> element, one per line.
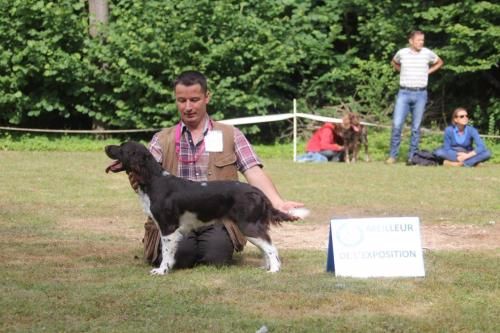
<point x="41" y="70"/>
<point x="258" y="56"/>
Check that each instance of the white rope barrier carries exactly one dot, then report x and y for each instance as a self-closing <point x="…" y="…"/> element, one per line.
<point x="38" y="130"/>
<point x="256" y="119"/>
<point x="235" y="121"/>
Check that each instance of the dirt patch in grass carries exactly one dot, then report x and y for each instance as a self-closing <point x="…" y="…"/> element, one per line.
<point x="111" y="226"/>
<point x="315" y="236"/>
<point x="434" y="237"/>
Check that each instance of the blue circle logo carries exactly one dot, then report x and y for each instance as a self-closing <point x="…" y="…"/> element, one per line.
<point x="350" y="234"/>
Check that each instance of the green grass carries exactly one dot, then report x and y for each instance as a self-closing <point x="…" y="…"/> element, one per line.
<point x="70" y="249"/>
<point x="378" y="144"/>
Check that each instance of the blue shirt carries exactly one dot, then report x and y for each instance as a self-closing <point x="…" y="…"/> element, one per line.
<point x="465" y="142"/>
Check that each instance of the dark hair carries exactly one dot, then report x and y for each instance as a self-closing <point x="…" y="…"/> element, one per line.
<point x="414" y="33"/>
<point x="455" y="112"/>
<point x="190" y="78"/>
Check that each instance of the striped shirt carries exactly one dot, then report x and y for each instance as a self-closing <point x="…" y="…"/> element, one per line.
<point x="414" y="66"/>
<point x="193" y="158"/>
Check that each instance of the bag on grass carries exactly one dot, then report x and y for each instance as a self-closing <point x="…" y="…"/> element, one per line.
<point x="425" y="158"/>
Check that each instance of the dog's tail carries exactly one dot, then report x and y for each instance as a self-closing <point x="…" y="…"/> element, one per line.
<point x="277" y="216"/>
<point x="272" y="215"/>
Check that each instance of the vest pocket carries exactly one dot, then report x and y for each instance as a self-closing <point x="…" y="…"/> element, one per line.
<point x="224" y="160"/>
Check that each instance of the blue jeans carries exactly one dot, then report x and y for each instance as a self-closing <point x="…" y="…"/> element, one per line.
<point x="451" y="155"/>
<point x="333" y="156"/>
<point x="407" y="101"/>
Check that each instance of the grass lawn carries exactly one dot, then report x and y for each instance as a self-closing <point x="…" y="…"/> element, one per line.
<point x="71" y="255"/>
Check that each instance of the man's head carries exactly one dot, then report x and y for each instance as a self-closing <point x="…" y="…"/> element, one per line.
<point x="191" y="97"/>
<point x="191" y="78"/>
<point x="416" y="40"/>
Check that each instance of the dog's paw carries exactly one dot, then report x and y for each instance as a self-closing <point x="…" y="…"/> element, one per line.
<point x="273" y="270"/>
<point x="158" y="271"/>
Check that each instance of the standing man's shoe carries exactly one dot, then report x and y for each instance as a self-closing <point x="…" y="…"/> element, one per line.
<point x="390" y="160"/>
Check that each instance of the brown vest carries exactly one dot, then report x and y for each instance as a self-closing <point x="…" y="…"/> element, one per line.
<point x="221" y="166"/>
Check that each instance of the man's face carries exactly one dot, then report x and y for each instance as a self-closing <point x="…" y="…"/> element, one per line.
<point x="417" y="42"/>
<point x="192" y="103"/>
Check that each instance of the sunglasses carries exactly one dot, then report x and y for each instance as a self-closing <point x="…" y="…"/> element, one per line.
<point x="462" y="116"/>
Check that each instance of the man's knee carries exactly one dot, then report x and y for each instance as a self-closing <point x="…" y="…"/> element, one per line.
<point x="217" y="258"/>
<point x="186" y="254"/>
<point x="216" y="247"/>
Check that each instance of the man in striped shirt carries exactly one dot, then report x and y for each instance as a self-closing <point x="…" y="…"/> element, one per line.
<point x="414" y="63"/>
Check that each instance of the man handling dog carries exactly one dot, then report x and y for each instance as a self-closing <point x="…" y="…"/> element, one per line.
<point x="414" y="63"/>
<point x="200" y="149"/>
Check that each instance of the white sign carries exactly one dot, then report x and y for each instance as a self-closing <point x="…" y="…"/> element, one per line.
<point x="375" y="247"/>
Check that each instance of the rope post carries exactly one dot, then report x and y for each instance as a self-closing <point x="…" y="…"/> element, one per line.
<point x="294" y="130"/>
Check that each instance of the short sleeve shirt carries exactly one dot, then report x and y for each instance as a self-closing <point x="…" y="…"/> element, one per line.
<point x="414" y="66"/>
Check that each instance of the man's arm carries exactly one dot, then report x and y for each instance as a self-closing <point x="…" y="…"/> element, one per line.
<point x="439" y="63"/>
<point x="396" y="65"/>
<point x="327" y="141"/>
<point x="257" y="177"/>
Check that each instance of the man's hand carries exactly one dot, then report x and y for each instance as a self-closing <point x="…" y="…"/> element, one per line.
<point x="132" y="178"/>
<point x="285" y="206"/>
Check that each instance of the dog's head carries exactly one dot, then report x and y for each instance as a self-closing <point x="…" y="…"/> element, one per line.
<point x="351" y="121"/>
<point x="130" y="156"/>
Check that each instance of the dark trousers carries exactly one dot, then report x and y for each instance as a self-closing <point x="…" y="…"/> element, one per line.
<point x="208" y="245"/>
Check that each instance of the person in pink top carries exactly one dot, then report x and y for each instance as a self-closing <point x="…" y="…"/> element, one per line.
<point x="326" y="142"/>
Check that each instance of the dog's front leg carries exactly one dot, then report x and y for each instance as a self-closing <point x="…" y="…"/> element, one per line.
<point x="355" y="154"/>
<point x="169" y="246"/>
<point x="347" y="158"/>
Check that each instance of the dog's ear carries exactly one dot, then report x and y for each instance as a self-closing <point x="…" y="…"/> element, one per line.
<point x="141" y="159"/>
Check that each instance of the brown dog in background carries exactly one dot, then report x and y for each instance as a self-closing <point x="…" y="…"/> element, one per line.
<point x="354" y="134"/>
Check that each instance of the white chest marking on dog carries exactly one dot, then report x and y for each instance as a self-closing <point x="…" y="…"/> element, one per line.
<point x="146" y="205"/>
<point x="203" y="184"/>
<point x="165" y="173"/>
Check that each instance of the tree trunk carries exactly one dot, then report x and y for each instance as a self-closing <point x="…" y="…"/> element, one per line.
<point x="98" y="15"/>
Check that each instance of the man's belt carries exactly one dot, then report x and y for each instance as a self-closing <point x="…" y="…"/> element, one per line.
<point x="412" y="88"/>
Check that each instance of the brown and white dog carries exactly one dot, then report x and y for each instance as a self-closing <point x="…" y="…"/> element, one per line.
<point x="353" y="134"/>
<point x="179" y="206"/>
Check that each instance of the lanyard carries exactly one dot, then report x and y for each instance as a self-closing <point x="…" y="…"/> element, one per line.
<point x="199" y="151"/>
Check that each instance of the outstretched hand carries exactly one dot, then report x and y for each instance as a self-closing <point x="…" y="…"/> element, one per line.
<point x="295" y="209"/>
<point x="285" y="206"/>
